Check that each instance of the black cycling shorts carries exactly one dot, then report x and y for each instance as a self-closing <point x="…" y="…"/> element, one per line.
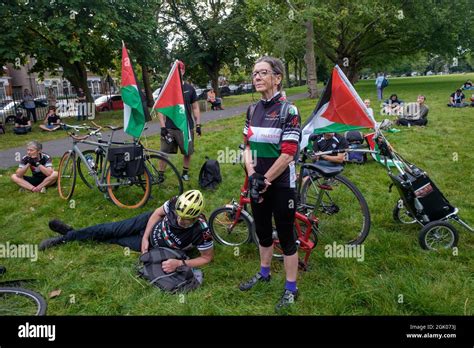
<point x="35" y="180"/>
<point x="279" y="203"/>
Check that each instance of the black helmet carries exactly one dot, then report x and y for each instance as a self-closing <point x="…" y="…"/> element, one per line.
<point x="19" y="112"/>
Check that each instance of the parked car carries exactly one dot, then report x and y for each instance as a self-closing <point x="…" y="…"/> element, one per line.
<point x="247" y="88"/>
<point x="8" y="111"/>
<point x="234" y="89"/>
<point x="106" y="103"/>
<point x="224" y="91"/>
<point x="201" y="93"/>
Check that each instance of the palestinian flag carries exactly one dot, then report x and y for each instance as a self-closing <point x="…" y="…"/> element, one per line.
<point x="340" y="109"/>
<point x="134" y="111"/>
<point x="370" y="138"/>
<point x="170" y="103"/>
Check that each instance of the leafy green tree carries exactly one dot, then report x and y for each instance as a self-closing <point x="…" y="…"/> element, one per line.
<point x="208" y="34"/>
<point x="77" y="35"/>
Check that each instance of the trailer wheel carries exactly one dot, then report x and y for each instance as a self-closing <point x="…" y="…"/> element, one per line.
<point x="438" y="235"/>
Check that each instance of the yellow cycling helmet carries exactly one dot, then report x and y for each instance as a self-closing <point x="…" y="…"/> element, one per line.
<point x="190" y="204"/>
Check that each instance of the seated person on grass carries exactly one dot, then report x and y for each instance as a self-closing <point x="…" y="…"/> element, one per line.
<point x="472" y="100"/>
<point x="414" y="114"/>
<point x="369" y="109"/>
<point x="456" y="100"/>
<point x="22" y="123"/>
<point x="41" y="168"/>
<point x="177" y="224"/>
<point x="52" y="121"/>
<point x="393" y="105"/>
<point x="467" y="85"/>
<point x="328" y="142"/>
<point x="216" y="103"/>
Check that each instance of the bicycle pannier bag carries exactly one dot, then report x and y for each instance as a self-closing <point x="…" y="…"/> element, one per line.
<point x="126" y="161"/>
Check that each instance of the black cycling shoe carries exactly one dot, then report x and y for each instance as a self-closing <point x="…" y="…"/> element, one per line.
<point x="286" y="300"/>
<point x="59" y="227"/>
<point x="252" y="282"/>
<point x="50" y="242"/>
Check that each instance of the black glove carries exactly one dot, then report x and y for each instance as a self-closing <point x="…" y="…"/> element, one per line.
<point x="164" y="132"/>
<point x="198" y="129"/>
<point x="256" y="184"/>
<point x="34" y="161"/>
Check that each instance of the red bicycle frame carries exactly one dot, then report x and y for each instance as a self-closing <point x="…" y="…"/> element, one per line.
<point x="305" y="244"/>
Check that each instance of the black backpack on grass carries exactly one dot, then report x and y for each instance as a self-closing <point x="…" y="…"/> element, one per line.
<point x="210" y="174"/>
<point x="181" y="280"/>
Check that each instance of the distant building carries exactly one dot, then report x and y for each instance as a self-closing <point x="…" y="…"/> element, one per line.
<point x="13" y="81"/>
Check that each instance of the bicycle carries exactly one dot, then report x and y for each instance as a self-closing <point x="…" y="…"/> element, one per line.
<point x="126" y="192"/>
<point x="342" y="211"/>
<point x="19" y="301"/>
<point x="172" y="184"/>
<point x="233" y="225"/>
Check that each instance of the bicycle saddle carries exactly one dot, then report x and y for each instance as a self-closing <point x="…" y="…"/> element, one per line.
<point x="324" y="170"/>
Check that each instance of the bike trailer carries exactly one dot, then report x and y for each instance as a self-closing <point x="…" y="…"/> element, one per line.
<point x="126" y="160"/>
<point x="421" y="196"/>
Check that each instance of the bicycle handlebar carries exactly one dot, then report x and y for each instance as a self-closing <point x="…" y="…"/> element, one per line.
<point x="76" y="128"/>
<point x="311" y="154"/>
<point x="113" y="128"/>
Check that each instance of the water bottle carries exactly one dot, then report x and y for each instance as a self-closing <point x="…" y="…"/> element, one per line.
<point x="90" y="161"/>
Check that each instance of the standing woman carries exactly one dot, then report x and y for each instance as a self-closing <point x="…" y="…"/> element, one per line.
<point x="29" y="104"/>
<point x="271" y="143"/>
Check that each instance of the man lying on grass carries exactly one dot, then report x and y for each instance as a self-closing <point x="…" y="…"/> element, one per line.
<point x="177" y="224"/>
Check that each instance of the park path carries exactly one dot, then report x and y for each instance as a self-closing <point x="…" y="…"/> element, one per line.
<point x="56" y="148"/>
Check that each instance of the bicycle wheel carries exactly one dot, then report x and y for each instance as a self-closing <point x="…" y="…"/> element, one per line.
<point x="220" y="223"/>
<point x="341" y="209"/>
<point x="86" y="177"/>
<point x="67" y="175"/>
<point x="129" y="193"/>
<point x="18" y="301"/>
<point x="170" y="183"/>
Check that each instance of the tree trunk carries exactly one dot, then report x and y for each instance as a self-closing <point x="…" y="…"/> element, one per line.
<point x="296" y="72"/>
<point x="214" y="75"/>
<point x="310" y="60"/>
<point x="300" y="72"/>
<point x="349" y="66"/>
<point x="82" y="75"/>
<point x="76" y="73"/>
<point x="147" y="86"/>
<point x="287" y="72"/>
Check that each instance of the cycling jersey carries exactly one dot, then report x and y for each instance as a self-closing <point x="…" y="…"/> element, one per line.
<point x="168" y="233"/>
<point x="53" y="119"/>
<point x="265" y="133"/>
<point x="335" y="143"/>
<point x="44" y="159"/>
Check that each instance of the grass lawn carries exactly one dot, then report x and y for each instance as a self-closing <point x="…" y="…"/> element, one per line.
<point x="396" y="277"/>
